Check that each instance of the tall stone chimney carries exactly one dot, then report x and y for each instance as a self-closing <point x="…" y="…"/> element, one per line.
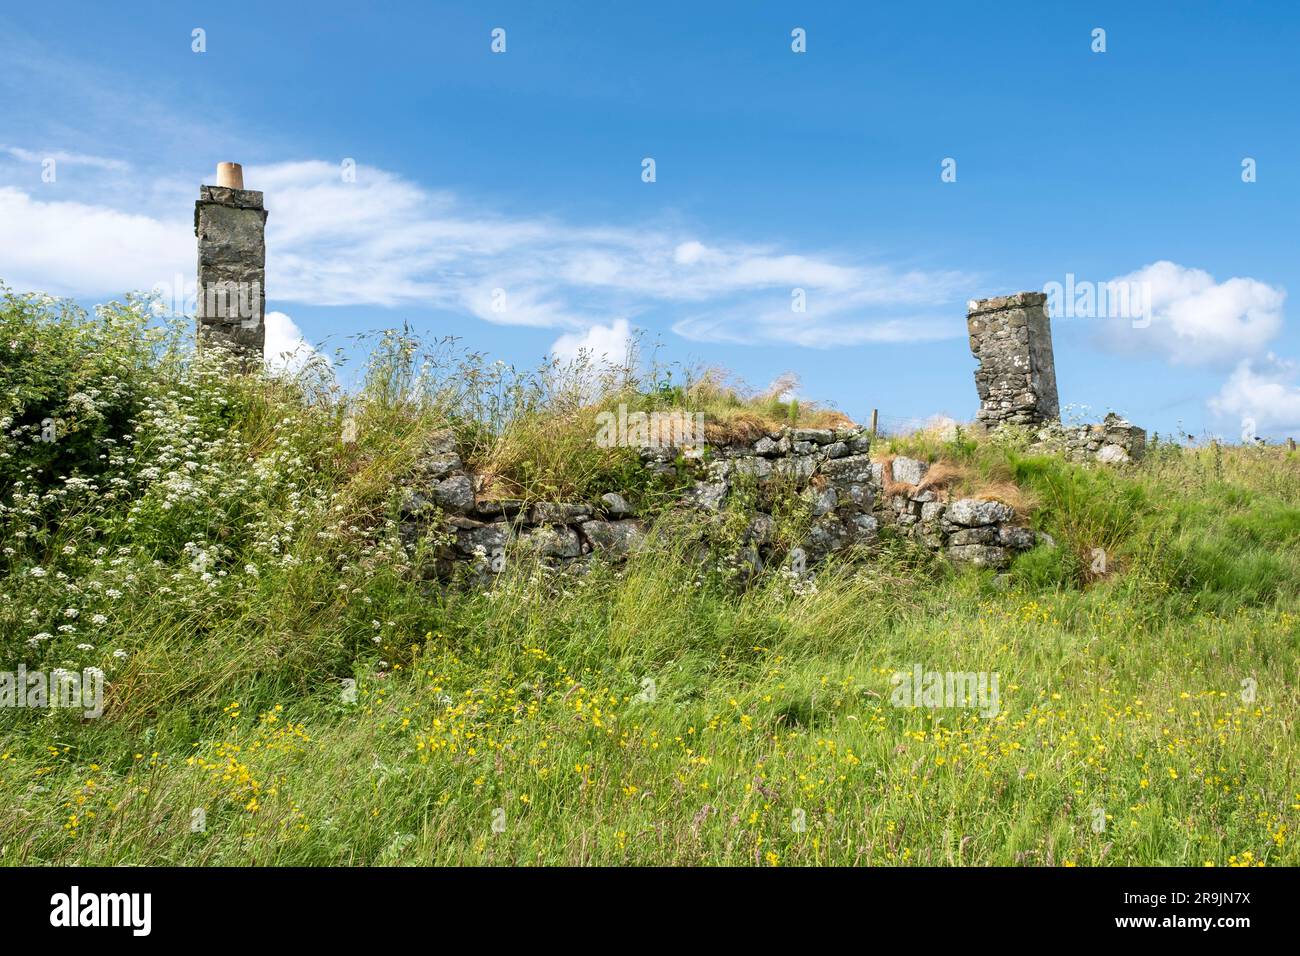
<point x="1011" y="336"/>
<point x="230" y="224"/>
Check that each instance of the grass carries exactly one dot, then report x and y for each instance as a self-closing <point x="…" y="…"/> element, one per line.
<point x="248" y="563"/>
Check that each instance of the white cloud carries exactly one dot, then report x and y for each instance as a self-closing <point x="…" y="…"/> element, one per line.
<point x="72" y="248"/>
<point x="286" y="350"/>
<point x="383" y="240"/>
<point x="1196" y="320"/>
<point x="691" y="252"/>
<point x="602" y="344"/>
<point x="1267" y="394"/>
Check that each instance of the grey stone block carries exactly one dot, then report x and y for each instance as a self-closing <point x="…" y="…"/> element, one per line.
<point x="795" y="469"/>
<point x="985" y="535"/>
<point x="708" y="495"/>
<point x="971" y="512"/>
<point x="489" y="539"/>
<point x="615" y="505"/>
<point x="499" y="507"/>
<point x="820" y="436"/>
<point x="855" y="469"/>
<point x="455" y="493"/>
<point x="753" y="466"/>
<point x="1018" y="539"/>
<point x="616" y="539"/>
<point x="551" y="542"/>
<point x="909" y="471"/>
<point x="932" y="511"/>
<point x="823" y="501"/>
<point x="980" y="555"/>
<point x="553" y="512"/>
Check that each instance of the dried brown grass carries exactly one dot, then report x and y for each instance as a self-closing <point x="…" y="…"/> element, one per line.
<point x="959" y="481"/>
<point x="740" y="427"/>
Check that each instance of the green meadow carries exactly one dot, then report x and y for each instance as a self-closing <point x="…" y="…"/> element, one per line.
<point x="284" y="685"/>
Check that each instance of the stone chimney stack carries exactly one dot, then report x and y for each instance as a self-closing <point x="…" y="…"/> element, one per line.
<point x="230" y="224"/>
<point x="1011" y="336"/>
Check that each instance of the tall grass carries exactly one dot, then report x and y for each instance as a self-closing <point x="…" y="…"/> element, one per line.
<point x="240" y="547"/>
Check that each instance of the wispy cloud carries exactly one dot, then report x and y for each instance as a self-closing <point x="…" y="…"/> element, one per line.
<point x="383" y="240"/>
<point x="893" y="307"/>
<point x="62" y="156"/>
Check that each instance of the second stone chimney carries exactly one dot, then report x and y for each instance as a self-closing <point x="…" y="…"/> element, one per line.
<point x="1011" y="336"/>
<point x="230" y="224"/>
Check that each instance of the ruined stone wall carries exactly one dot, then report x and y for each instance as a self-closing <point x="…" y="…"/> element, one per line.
<point x="1011" y="336"/>
<point x="1114" y="441"/>
<point x="850" y="498"/>
<point x="230" y="226"/>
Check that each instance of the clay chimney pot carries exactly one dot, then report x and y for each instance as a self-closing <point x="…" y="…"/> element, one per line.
<point x="230" y="175"/>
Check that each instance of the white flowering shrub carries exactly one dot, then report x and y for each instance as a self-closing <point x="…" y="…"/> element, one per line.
<point x="177" y="511"/>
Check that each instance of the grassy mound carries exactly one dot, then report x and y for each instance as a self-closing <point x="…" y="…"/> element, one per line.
<point x="283" y="688"/>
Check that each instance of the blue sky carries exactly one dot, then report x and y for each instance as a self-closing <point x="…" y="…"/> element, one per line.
<point x="774" y="170"/>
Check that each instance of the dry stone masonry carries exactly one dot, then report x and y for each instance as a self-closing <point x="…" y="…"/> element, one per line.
<point x="850" y="497"/>
<point x="1011" y="337"/>
<point x="1114" y="441"/>
<point x="230" y="224"/>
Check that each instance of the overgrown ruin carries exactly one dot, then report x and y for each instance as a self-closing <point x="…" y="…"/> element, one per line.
<point x="851" y="499"/>
<point x="850" y="496"/>
<point x="1011" y="336"/>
